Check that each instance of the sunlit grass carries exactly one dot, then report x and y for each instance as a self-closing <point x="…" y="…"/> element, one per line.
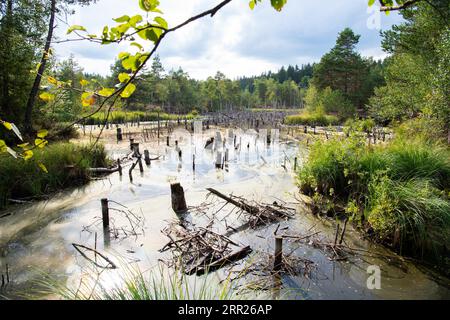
<point x="134" y="116"/>
<point x="67" y="166"/>
<point x="131" y="283"/>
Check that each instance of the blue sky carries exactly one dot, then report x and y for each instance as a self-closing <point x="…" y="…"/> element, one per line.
<point x="237" y="41"/>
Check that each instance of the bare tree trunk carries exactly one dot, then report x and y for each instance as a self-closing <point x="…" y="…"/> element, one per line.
<point x="41" y="70"/>
<point x="5" y="76"/>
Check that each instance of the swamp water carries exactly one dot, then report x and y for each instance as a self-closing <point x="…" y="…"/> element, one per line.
<point x="36" y="239"/>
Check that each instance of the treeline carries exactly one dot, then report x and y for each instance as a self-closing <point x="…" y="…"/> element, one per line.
<point x="174" y="91"/>
<point x="300" y="76"/>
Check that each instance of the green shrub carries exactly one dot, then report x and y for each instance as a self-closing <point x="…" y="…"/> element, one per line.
<point x="128" y="116"/>
<point x="400" y="188"/>
<point x="412" y="216"/>
<point x="67" y="166"/>
<point x="312" y="119"/>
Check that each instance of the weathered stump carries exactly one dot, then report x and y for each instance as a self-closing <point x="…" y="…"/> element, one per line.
<point x="147" y="157"/>
<point x="178" y="200"/>
<point x="278" y="261"/>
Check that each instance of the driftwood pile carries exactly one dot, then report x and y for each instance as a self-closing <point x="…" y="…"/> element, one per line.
<point x="256" y="214"/>
<point x="198" y="250"/>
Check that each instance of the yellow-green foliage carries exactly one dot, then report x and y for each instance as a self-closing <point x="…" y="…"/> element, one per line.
<point x="128" y="116"/>
<point x="66" y="163"/>
<point x="312" y="119"/>
<point x="401" y="189"/>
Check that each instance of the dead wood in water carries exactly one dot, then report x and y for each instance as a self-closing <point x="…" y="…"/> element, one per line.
<point x="133" y="226"/>
<point x="199" y="249"/>
<point x="80" y="248"/>
<point x="257" y="213"/>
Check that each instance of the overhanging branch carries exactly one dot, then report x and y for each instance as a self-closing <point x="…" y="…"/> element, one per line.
<point x="399" y="7"/>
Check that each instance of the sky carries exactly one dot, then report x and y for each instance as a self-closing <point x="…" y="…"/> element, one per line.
<point x="237" y="41"/>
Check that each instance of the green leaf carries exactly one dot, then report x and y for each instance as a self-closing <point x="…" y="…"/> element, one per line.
<point x="42" y="133"/>
<point x="252" y="4"/>
<point x="52" y="80"/>
<point x="152" y="34"/>
<point x="124" y="55"/>
<point x="75" y="28"/>
<point x="23" y="145"/>
<point x="28" y="154"/>
<point x="163" y="23"/>
<point x="135" y="20"/>
<point x="123" y="28"/>
<point x="128" y="91"/>
<point x="7" y="125"/>
<point x="47" y="97"/>
<point x="137" y="45"/>
<point x="124" y="18"/>
<point x="130" y="63"/>
<point x="371" y="2"/>
<point x="149" y="5"/>
<point x="3" y="146"/>
<point x="278" y="4"/>
<point x="87" y="99"/>
<point x="43" y="168"/>
<point x="106" y="92"/>
<point x="124" y="77"/>
<point x="40" y="143"/>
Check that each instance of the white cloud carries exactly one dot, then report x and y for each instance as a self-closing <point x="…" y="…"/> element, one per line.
<point x="237" y="41"/>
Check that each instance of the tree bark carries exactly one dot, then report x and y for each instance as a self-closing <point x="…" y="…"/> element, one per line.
<point x="41" y="70"/>
<point x="5" y="76"/>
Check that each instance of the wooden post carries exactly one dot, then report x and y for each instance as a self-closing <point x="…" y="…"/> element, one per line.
<point x="219" y="160"/>
<point x="337" y="234"/>
<point x="131" y="143"/>
<point x="141" y="167"/>
<point x="135" y="149"/>
<point x="278" y="261"/>
<point x="295" y="164"/>
<point x="178" y="200"/>
<point x="147" y="157"/>
<point x="105" y="213"/>
<point x="167" y="141"/>
<point x="193" y="162"/>
<point x="343" y="231"/>
<point x="119" y="167"/>
<point x="159" y="126"/>
<point x="119" y="134"/>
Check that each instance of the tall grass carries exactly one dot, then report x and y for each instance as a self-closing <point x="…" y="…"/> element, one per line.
<point x="312" y="119"/>
<point x="129" y="116"/>
<point x="132" y="283"/>
<point x="401" y="189"/>
<point x="67" y="166"/>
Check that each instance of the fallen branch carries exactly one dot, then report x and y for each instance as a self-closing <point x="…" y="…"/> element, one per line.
<point x="78" y="247"/>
